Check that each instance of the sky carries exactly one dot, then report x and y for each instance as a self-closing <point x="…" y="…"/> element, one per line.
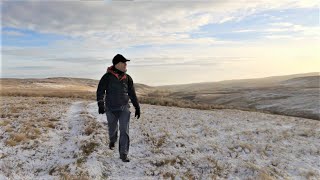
<point x="168" y="42"/>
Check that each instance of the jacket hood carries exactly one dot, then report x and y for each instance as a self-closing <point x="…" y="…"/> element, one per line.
<point x="111" y="70"/>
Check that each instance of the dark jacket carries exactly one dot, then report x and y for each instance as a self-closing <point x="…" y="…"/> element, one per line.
<point x="116" y="87"/>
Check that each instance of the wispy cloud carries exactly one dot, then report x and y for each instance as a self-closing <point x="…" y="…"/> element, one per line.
<point x="244" y="31"/>
<point x="31" y="68"/>
<point x="226" y="19"/>
<point x="292" y="30"/>
<point x="12" y="33"/>
<point x="284" y="30"/>
<point x="279" y="37"/>
<point x="281" y="24"/>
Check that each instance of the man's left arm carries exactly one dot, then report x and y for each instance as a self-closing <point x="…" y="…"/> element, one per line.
<point x="133" y="96"/>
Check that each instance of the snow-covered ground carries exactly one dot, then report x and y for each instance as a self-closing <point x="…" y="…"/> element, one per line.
<point x="51" y="85"/>
<point x="166" y="143"/>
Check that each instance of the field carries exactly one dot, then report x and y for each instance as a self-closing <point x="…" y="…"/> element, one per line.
<point x="65" y="138"/>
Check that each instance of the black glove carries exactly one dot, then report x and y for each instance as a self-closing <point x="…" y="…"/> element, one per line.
<point x="137" y="114"/>
<point x="101" y="107"/>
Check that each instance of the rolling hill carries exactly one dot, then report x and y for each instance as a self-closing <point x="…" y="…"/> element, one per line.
<point x="294" y="95"/>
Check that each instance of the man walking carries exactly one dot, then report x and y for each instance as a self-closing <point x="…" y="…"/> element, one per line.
<point x="113" y="93"/>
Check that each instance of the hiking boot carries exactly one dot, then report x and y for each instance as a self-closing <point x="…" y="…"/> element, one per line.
<point x="111" y="145"/>
<point x="124" y="158"/>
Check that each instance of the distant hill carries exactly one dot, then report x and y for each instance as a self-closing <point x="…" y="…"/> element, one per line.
<point x="309" y="81"/>
<point x="293" y="95"/>
<point x="59" y="83"/>
<point x="241" y="83"/>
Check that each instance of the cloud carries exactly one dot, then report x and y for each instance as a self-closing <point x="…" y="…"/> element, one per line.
<point x="123" y="25"/>
<point x="282" y="30"/>
<point x="282" y="24"/>
<point x="12" y="33"/>
<point x="152" y="30"/>
<point x="244" y="31"/>
<point x="186" y="61"/>
<point x="226" y="19"/>
<point x="279" y="37"/>
<point x="30" y="68"/>
<point x="132" y="23"/>
<point x="294" y="31"/>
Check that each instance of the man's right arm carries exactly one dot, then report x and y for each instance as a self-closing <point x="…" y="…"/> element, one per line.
<point x="102" y="87"/>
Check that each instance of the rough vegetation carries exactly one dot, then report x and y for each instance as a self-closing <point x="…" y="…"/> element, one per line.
<point x="50" y="138"/>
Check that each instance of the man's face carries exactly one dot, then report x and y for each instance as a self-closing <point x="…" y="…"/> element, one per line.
<point x="122" y="66"/>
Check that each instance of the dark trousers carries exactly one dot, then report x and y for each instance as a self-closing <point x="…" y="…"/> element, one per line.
<point x="123" y="116"/>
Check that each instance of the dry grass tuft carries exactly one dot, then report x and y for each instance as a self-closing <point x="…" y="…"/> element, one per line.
<point x="53" y="119"/>
<point x="14" y="110"/>
<point x="50" y="125"/>
<point x="162" y="101"/>
<point x="264" y="176"/>
<point x="11" y="142"/>
<point x="168" y="175"/>
<point x="246" y="146"/>
<point x="307" y="133"/>
<point x="81" y="160"/>
<point x="88" y="148"/>
<point x="189" y="175"/>
<point x="43" y="102"/>
<point x="37" y="130"/>
<point x="19" y="137"/>
<point x="67" y="176"/>
<point x="310" y="175"/>
<point x="34" y="133"/>
<point x="91" y="124"/>
<point x="160" y="141"/>
<point x="88" y="131"/>
<point x="286" y="134"/>
<point x="42" y="92"/>
<point x="169" y="161"/>
<point x="8" y="129"/>
<point x="64" y="173"/>
<point x="4" y="122"/>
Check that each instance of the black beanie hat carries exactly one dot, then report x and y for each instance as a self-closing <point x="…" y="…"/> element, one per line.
<point x="119" y="58"/>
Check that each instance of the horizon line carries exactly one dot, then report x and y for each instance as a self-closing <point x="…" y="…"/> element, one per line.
<point x="273" y="76"/>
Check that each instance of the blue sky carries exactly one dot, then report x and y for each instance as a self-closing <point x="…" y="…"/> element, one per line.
<point x="163" y="40"/>
<point x="19" y="37"/>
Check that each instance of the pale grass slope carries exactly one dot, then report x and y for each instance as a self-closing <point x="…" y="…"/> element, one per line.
<point x="166" y="143"/>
